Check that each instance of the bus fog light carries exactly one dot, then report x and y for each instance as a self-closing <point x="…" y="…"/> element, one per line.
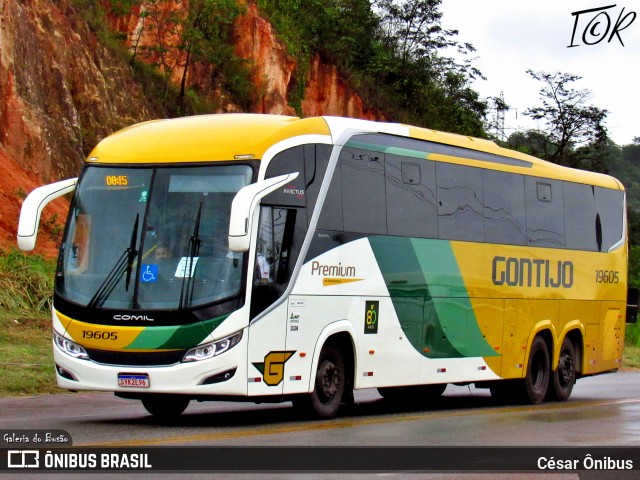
<point x="210" y="350"/>
<point x="70" y="348"/>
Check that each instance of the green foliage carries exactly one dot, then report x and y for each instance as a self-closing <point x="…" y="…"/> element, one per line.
<point x="570" y="121"/>
<point x="26" y="286"/>
<point x="187" y="38"/>
<point x="631" y="152"/>
<point x="26" y="283"/>
<point x="390" y="52"/>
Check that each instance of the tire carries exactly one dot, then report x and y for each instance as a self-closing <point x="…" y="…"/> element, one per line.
<point x="329" y="386"/>
<point x="165" y="405"/>
<point x="564" y="377"/>
<point x="413" y="394"/>
<point x="536" y="381"/>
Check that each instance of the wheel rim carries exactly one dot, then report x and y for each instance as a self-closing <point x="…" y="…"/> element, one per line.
<point x="565" y="370"/>
<point x="327" y="381"/>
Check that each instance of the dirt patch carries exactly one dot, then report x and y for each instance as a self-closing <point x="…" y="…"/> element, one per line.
<point x="15" y="184"/>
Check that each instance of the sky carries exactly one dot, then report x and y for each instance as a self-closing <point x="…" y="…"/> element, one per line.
<point x="512" y="36"/>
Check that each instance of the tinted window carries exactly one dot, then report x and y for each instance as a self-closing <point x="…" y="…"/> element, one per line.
<point x="504" y="212"/>
<point x="331" y="214"/>
<point x="316" y="158"/>
<point x="411" y="197"/>
<point x="400" y="145"/>
<point x="579" y="216"/>
<point x="545" y="212"/>
<point x="460" y="213"/>
<point x="609" y="210"/>
<point x="363" y="191"/>
<point x="293" y="193"/>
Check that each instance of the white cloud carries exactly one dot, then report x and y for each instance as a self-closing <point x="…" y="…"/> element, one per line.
<point x="512" y="36"/>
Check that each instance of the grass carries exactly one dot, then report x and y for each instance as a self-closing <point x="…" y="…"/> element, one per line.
<point x="26" y="363"/>
<point x="631" y="354"/>
<point x="26" y="358"/>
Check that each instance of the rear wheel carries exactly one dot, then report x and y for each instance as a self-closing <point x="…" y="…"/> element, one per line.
<point x="329" y="386"/>
<point x="564" y="377"/>
<point x="165" y="405"/>
<point x="536" y="380"/>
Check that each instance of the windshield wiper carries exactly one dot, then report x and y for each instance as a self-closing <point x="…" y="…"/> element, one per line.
<point x="186" y="290"/>
<point x="124" y="265"/>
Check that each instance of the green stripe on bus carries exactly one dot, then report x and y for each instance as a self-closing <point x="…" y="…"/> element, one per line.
<point x="175" y="337"/>
<point x="429" y="296"/>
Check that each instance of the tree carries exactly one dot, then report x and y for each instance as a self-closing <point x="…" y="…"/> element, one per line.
<point x="412" y="29"/>
<point x="631" y="152"/>
<point x="532" y="142"/>
<point x="570" y="121"/>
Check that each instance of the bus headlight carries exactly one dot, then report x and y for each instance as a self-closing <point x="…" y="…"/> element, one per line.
<point x="70" y="348"/>
<point x="210" y="350"/>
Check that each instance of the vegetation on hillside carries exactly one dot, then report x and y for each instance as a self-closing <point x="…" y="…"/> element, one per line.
<point x="391" y="52"/>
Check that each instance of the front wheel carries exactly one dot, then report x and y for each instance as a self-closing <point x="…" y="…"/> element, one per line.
<point x="564" y="377"/>
<point x="165" y="405"/>
<point x="329" y="386"/>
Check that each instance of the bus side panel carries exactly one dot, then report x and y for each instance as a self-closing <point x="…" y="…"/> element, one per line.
<point x="383" y="355"/>
<point x="611" y="336"/>
<point x="512" y="352"/>
<point x="492" y="320"/>
<point x="267" y="355"/>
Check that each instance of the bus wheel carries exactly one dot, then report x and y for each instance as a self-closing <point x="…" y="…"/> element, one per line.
<point x="165" y="406"/>
<point x="563" y="378"/>
<point x="536" y="381"/>
<point x="329" y="386"/>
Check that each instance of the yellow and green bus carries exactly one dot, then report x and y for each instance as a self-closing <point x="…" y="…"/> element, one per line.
<point x="271" y="258"/>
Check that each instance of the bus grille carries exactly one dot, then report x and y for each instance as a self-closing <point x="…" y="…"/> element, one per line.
<point x="136" y="358"/>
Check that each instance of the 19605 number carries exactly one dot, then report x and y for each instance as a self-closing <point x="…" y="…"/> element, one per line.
<point x="97" y="335"/>
<point x="607" y="276"/>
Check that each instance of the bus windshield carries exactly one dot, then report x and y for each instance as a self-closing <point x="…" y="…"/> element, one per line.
<point x="151" y="238"/>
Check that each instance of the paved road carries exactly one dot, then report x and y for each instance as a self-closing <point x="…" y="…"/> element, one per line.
<point x="603" y="411"/>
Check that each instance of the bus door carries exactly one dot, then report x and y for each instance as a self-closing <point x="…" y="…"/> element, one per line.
<point x="271" y="274"/>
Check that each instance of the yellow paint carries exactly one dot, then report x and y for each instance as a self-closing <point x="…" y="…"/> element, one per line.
<point x="102" y="337"/>
<point x="203" y="138"/>
<point x="330" y="281"/>
<point x="510" y="316"/>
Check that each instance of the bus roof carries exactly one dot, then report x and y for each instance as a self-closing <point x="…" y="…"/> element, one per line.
<point x="203" y="138"/>
<point x="226" y="137"/>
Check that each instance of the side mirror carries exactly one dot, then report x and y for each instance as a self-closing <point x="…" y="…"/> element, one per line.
<point x="244" y="206"/>
<point x="32" y="208"/>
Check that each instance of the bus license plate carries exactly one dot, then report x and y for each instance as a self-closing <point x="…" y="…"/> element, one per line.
<point x="133" y="380"/>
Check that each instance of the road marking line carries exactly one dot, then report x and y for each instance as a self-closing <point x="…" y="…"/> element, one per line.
<point x="348" y="423"/>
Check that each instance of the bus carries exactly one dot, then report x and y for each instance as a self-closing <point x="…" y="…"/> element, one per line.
<point x="269" y="258"/>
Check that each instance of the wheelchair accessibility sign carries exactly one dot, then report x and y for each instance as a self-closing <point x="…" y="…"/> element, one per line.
<point x="149" y="273"/>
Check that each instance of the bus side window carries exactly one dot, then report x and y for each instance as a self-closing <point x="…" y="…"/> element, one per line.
<point x="545" y="212"/>
<point x="610" y="210"/>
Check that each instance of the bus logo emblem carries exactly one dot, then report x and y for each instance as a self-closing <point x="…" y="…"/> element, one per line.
<point x="371" y="316"/>
<point x="272" y="369"/>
